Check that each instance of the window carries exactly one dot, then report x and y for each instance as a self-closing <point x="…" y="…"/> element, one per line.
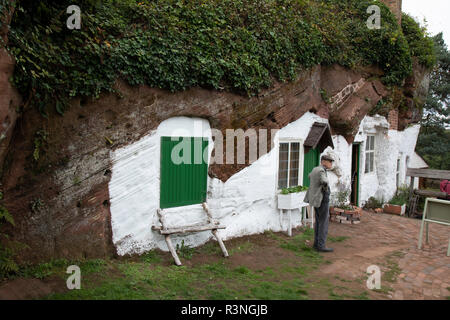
<point x="398" y="173"/>
<point x="289" y="162"/>
<point x="370" y="154"/>
<point x="183" y="183"/>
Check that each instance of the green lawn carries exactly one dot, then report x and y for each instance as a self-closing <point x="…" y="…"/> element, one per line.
<point x="153" y="275"/>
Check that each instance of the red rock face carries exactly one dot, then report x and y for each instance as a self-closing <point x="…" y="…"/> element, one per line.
<point x="9" y="98"/>
<point x="60" y="202"/>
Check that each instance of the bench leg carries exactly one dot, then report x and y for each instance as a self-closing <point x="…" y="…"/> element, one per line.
<point x="448" y="249"/>
<point x="426" y="232"/>
<point x="421" y="235"/>
<point x="219" y="240"/>
<point x="172" y="250"/>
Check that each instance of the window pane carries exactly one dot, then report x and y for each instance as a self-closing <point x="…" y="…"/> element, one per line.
<point x="294" y="165"/>
<point x="366" y="164"/>
<point x="283" y="165"/>
<point x="372" y="143"/>
<point x="371" y="161"/>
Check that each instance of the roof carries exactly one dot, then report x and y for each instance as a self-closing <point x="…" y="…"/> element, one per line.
<point x="319" y="137"/>
<point x="416" y="162"/>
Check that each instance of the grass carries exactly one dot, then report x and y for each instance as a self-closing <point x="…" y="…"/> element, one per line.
<point x="391" y="273"/>
<point x="185" y="251"/>
<point x="246" y="247"/>
<point x="341" y="296"/>
<point x="59" y="266"/>
<point x="337" y="239"/>
<point x="151" y="257"/>
<point x="149" y="276"/>
<point x="208" y="281"/>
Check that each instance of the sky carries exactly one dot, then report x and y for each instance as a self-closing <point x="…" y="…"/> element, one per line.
<point x="436" y="12"/>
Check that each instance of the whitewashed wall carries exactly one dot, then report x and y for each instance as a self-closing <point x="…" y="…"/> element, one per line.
<point x="245" y="203"/>
<point x="389" y="146"/>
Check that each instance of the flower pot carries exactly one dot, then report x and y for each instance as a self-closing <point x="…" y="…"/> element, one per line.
<point x="351" y="212"/>
<point x="394" y="209"/>
<point x="291" y="200"/>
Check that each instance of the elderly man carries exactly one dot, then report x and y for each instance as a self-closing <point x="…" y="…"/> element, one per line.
<point x="318" y="196"/>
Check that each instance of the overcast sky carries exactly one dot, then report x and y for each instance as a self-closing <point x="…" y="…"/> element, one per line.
<point x="436" y="12"/>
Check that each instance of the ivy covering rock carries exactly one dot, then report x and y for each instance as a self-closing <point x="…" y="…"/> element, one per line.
<point x="237" y="45"/>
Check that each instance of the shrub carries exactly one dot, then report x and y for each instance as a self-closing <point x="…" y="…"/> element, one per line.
<point x="373" y="203"/>
<point x="401" y="196"/>
<point x="7" y="248"/>
<point x="420" y="44"/>
<point x="341" y="197"/>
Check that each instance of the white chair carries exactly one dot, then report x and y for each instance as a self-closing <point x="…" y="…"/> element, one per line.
<point x="435" y="211"/>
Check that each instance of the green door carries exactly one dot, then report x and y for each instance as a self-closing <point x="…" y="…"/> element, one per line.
<point x="311" y="161"/>
<point x="183" y="171"/>
<point x="354" y="196"/>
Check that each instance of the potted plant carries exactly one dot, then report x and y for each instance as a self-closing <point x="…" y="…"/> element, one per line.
<point x="291" y="198"/>
<point x="397" y="205"/>
<point x="340" y="204"/>
<point x="341" y="210"/>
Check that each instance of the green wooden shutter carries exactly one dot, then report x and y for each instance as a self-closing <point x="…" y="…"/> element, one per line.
<point x="311" y="161"/>
<point x="185" y="183"/>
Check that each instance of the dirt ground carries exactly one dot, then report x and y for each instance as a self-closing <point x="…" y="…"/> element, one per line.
<point x="386" y="241"/>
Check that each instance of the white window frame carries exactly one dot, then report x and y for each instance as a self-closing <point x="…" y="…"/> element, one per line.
<point x="367" y="152"/>
<point x="398" y="171"/>
<point x="300" y="159"/>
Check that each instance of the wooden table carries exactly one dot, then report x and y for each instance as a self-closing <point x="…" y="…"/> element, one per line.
<point x="424" y="173"/>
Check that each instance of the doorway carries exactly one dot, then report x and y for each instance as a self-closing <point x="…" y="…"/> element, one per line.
<point x="354" y="196"/>
<point x="310" y="162"/>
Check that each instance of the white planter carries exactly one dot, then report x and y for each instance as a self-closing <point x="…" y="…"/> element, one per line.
<point x="291" y="201"/>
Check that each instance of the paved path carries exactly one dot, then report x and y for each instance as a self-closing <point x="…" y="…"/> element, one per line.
<point x="421" y="274"/>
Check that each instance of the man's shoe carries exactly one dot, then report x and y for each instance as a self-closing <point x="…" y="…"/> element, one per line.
<point x="325" y="249"/>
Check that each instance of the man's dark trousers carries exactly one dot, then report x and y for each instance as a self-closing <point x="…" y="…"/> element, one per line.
<point x="322" y="216"/>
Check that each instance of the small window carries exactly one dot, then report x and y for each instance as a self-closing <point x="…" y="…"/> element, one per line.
<point x="398" y="173"/>
<point x="289" y="164"/>
<point x="370" y="154"/>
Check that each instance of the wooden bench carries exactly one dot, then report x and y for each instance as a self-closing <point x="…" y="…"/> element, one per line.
<point x="210" y="224"/>
<point x="415" y="194"/>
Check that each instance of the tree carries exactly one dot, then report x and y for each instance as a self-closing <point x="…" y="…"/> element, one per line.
<point x="434" y="138"/>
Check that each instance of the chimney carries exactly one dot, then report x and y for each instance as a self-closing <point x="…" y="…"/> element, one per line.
<point x="396" y="8"/>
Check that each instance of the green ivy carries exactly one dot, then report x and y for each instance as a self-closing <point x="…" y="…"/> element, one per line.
<point x="7" y="248"/>
<point x="420" y="44"/>
<point x="235" y="45"/>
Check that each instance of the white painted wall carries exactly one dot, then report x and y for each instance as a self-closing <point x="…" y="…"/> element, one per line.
<point x="389" y="145"/>
<point x="245" y="203"/>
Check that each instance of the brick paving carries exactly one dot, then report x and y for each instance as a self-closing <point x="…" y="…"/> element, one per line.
<point x="423" y="274"/>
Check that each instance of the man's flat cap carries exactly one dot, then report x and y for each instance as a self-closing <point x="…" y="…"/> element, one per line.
<point x="325" y="157"/>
